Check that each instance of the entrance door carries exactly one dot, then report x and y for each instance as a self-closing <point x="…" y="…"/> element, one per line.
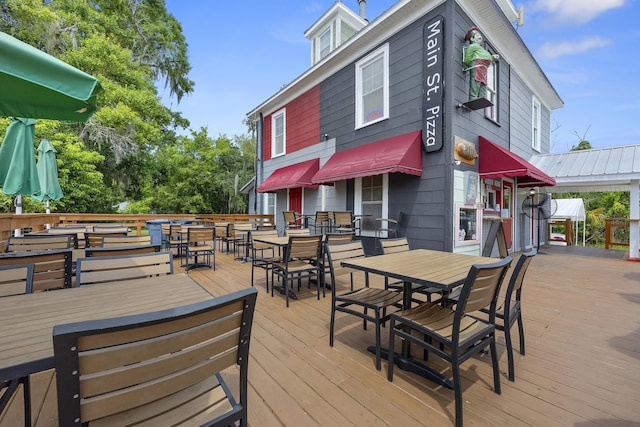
<point x="295" y="199"/>
<point x="507" y="203"/>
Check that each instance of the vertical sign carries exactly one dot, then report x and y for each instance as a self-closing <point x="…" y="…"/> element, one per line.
<point x="432" y="84"/>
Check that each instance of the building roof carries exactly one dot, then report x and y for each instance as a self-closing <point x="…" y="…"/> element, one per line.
<point x="603" y="169"/>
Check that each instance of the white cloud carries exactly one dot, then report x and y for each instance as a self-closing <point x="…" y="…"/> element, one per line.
<point x="552" y="50"/>
<point x="575" y="11"/>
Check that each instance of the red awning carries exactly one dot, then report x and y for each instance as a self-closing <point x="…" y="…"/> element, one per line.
<point x="498" y="162"/>
<point x="292" y="176"/>
<point x="402" y="153"/>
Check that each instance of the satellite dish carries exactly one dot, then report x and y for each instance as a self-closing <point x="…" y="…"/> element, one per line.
<point x="539" y="206"/>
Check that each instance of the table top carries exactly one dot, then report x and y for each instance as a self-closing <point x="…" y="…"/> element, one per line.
<point x="444" y="270"/>
<point x="272" y="240"/>
<point x="27" y="321"/>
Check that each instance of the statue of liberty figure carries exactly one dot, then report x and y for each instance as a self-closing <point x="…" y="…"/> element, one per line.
<point x="477" y="59"/>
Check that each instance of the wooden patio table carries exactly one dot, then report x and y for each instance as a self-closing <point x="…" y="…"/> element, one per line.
<point x="444" y="270"/>
<point x="27" y="321"/>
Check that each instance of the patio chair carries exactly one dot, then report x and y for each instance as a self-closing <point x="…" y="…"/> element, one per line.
<point x="359" y="302"/>
<point x="389" y="227"/>
<point x="125" y="267"/>
<point x="93" y="239"/>
<point x="39" y="242"/>
<point x="344" y="222"/>
<point x="52" y="269"/>
<point x="321" y="222"/>
<point x="453" y="335"/>
<point x="161" y="368"/>
<point x="508" y="310"/>
<point x="106" y="228"/>
<point x="291" y="220"/>
<point x="300" y="261"/>
<point x="401" y="244"/>
<point x="201" y="242"/>
<point x="297" y="232"/>
<point x="263" y="255"/>
<point x="15" y="280"/>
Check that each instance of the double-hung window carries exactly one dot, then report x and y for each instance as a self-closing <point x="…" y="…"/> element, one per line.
<point x="492" y="89"/>
<point x="324" y="44"/>
<point x="536" y="123"/>
<point x="278" y="133"/>
<point x="372" y="87"/>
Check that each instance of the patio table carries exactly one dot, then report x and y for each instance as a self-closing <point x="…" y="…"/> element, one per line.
<point x="27" y="321"/>
<point x="444" y="270"/>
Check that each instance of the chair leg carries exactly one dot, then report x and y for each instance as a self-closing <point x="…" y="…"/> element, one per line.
<point x="392" y="326"/>
<point x="457" y="391"/>
<point x="509" y="345"/>
<point x="496" y="367"/>
<point x="26" y="392"/>
<point x="521" y="332"/>
<point x="332" y="324"/>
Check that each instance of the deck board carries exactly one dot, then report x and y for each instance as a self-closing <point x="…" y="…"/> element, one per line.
<point x="581" y="366"/>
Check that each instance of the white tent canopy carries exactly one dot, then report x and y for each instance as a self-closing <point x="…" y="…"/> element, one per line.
<point x="572" y="209"/>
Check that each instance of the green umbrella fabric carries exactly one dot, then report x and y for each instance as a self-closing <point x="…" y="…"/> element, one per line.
<point x="18" y="173"/>
<point x="47" y="173"/>
<point x="37" y="85"/>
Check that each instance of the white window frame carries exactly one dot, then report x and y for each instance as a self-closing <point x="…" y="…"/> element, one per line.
<point x="357" y="207"/>
<point x="319" y="45"/>
<point x="493" y="85"/>
<point x="382" y="52"/>
<point x="536" y="124"/>
<point x="270" y="204"/>
<point x="274" y="137"/>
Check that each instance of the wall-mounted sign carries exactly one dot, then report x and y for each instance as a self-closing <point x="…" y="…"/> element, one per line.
<point x="433" y="84"/>
<point x="464" y="151"/>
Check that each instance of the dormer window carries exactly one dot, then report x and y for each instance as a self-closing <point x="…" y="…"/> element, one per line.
<point x="334" y="28"/>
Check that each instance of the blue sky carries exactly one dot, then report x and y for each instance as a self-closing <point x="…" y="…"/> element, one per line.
<point x="242" y="52"/>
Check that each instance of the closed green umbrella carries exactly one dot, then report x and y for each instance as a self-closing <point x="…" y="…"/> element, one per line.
<point x="18" y="174"/>
<point x="37" y="85"/>
<point x="48" y="174"/>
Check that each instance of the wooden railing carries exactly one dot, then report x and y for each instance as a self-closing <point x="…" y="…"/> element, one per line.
<point x="616" y="229"/>
<point x="38" y="222"/>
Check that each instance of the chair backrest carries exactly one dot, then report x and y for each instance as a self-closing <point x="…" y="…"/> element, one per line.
<point x="75" y="235"/>
<point x="297" y="232"/>
<point x="94" y="238"/>
<point x="339" y="252"/>
<point x="52" y="269"/>
<point x="343" y="219"/>
<point x="517" y="277"/>
<point x="257" y="246"/>
<point x="40" y="242"/>
<point x="124" y="267"/>
<point x="290" y="219"/>
<point x="391" y="246"/>
<point x="16" y="279"/>
<point x="338" y="237"/>
<point x="201" y="236"/>
<point x="322" y="217"/>
<point x="303" y="247"/>
<point x="480" y="289"/>
<point x="119" y="241"/>
<point x="265" y="227"/>
<point x="157" y="366"/>
<point x="121" y="250"/>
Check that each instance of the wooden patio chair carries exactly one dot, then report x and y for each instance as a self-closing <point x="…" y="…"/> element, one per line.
<point x="344" y="222"/>
<point x="52" y="269"/>
<point x="120" y="241"/>
<point x="300" y="261"/>
<point x="509" y="307"/>
<point x="361" y="301"/>
<point x="297" y="232"/>
<point x="291" y="220"/>
<point x="15" y="280"/>
<point x="76" y="235"/>
<point x="114" y="228"/>
<point x="39" y="242"/>
<point x="453" y="335"/>
<point x="116" y="268"/>
<point x="201" y="242"/>
<point x="263" y="255"/>
<point x="161" y="368"/>
<point x="401" y="244"/>
<point x="321" y="222"/>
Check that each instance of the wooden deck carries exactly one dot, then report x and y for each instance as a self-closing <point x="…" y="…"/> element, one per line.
<point x="582" y="366"/>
